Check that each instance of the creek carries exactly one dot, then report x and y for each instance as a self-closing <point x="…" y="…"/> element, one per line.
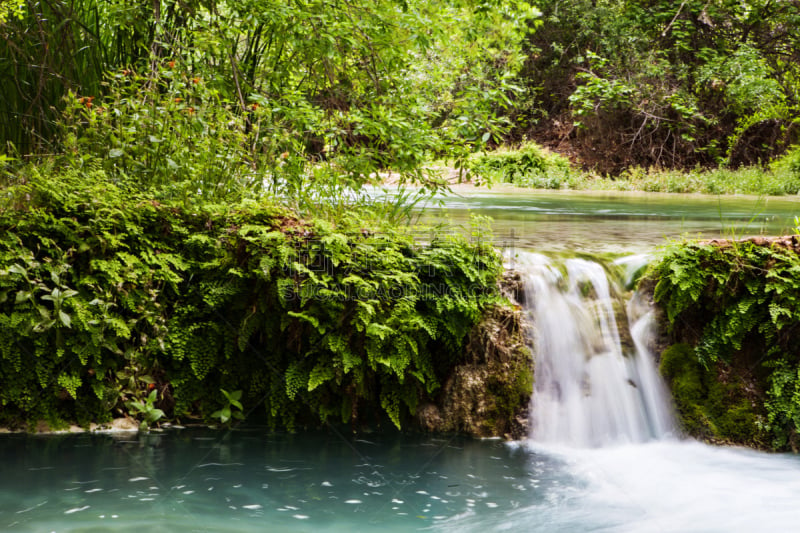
<point x="604" y="454"/>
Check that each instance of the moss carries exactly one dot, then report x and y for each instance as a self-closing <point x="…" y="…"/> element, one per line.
<point x="510" y="392"/>
<point x="684" y="376"/>
<point x="711" y="402"/>
<point x="680" y="367"/>
<point x="738" y="424"/>
<point x="524" y="380"/>
<point x="736" y="306"/>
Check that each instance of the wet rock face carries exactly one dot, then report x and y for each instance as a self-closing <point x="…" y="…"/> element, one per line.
<point x="488" y="394"/>
<point x="512" y="286"/>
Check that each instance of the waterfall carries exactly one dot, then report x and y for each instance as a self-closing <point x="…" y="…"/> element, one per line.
<point x="595" y="381"/>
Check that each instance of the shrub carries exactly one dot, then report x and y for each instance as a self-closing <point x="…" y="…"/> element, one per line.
<point x="107" y="295"/>
<point x="527" y="166"/>
<point x="789" y="164"/>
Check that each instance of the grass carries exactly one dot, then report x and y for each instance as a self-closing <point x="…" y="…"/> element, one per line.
<point x="535" y="167"/>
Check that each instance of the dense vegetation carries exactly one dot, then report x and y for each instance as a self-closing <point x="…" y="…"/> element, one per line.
<point x="179" y="187"/>
<point x="257" y="94"/>
<point x="170" y="169"/>
<point x="333" y="92"/>
<point x="530" y="165"/>
<point x="734" y="314"/>
<point x="113" y="302"/>
<point x="667" y="83"/>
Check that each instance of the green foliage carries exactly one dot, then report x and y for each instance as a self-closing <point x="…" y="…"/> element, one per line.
<point x="232" y="408"/>
<point x="40" y="60"/>
<point x="166" y="131"/>
<point x="112" y="302"/>
<point x="666" y="83"/>
<point x="224" y="98"/>
<point x="535" y="167"/>
<point x="709" y="407"/>
<point x="11" y="8"/>
<point x="789" y="163"/>
<point x="147" y="410"/>
<point x="746" y="180"/>
<point x="527" y="166"/>
<point x="738" y="304"/>
<point x="783" y="405"/>
<point x="598" y="93"/>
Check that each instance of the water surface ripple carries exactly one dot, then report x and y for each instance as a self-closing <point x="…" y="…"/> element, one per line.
<point x="203" y="480"/>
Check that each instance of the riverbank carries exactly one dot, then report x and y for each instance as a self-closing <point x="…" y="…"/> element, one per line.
<point x="730" y="322"/>
<point x="530" y="166"/>
<point x="115" y="304"/>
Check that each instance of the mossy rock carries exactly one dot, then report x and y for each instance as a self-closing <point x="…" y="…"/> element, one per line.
<point x="712" y="403"/>
<point x="488" y="394"/>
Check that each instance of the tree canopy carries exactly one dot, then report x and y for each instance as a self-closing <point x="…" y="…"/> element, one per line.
<point x="356" y="86"/>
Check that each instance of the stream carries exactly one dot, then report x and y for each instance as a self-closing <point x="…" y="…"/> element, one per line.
<point x="606" y="222"/>
<point x="604" y="454"/>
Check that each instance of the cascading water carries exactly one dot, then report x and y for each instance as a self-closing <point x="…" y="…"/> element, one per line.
<point x="593" y="385"/>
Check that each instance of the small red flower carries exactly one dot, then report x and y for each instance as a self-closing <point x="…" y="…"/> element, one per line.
<point x="178" y="100"/>
<point x="171" y="64"/>
<point x="254" y="106"/>
<point x="284" y="155"/>
<point x="151" y="386"/>
<point x="195" y="80"/>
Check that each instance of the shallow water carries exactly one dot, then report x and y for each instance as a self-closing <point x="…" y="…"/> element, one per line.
<point x="243" y="480"/>
<point x="593" y="222"/>
<point x="661" y="486"/>
<point x="204" y="480"/>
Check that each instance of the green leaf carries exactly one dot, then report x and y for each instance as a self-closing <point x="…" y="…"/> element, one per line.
<point x="314" y="321"/>
<point x="232" y="396"/>
<point x="17" y="269"/>
<point x="22" y="296"/>
<point x="223" y="414"/>
<point x="322" y="372"/>
<point x="153" y="415"/>
<point x="65" y="318"/>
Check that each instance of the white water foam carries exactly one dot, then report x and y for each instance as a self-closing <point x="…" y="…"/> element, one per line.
<point x="589" y="391"/>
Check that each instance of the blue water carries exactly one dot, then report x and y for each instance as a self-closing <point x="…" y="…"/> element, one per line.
<point x="252" y="480"/>
<point x="567" y="221"/>
<point x="248" y="480"/>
